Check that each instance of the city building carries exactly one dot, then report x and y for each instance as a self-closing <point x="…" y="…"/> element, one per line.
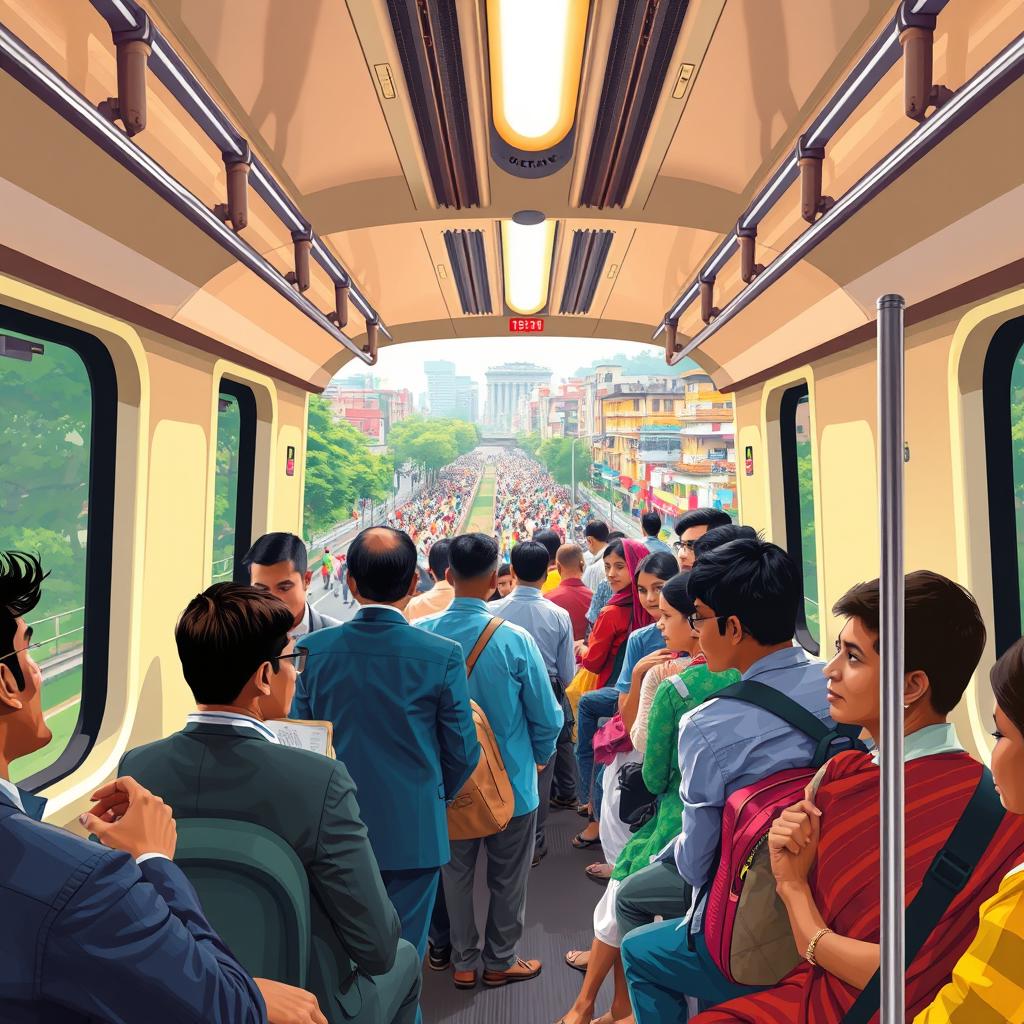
<point x="467" y="399"/>
<point x="506" y="385"/>
<point x="442" y="387"/>
<point x="371" y="411"/>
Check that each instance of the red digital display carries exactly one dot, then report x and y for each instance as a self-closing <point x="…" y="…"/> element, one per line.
<point x="525" y="324"/>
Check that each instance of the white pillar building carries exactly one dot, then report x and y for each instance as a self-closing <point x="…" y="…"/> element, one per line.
<point x="506" y="386"/>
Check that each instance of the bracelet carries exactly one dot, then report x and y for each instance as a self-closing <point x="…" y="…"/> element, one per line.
<point x="812" y="945"/>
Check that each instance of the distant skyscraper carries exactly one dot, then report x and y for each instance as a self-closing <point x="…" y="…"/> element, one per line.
<point x="464" y="388"/>
<point x="441" y="387"/>
<point x="506" y="384"/>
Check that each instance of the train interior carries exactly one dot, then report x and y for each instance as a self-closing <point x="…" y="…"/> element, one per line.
<point x="210" y="206"/>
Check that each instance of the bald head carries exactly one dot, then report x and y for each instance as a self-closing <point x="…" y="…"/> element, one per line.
<point x="382" y="566"/>
<point x="569" y="560"/>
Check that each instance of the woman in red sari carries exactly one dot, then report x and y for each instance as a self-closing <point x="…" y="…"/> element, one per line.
<point x="825" y="853"/>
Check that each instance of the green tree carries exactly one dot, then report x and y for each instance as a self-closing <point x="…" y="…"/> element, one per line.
<point x="530" y="443"/>
<point x="557" y="456"/>
<point x="431" y="444"/>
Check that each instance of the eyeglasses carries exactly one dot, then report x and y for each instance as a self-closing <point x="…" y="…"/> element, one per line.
<point x="682" y="545"/>
<point x="297" y="658"/>
<point x="27" y="647"/>
<point x="694" y="619"/>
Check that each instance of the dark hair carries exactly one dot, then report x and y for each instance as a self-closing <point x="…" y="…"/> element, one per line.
<point x="659" y="563"/>
<point x="616" y="535"/>
<point x="651" y="523"/>
<point x="21" y="577"/>
<point x="225" y="634"/>
<point x="675" y="593"/>
<point x="933" y="607"/>
<point x="756" y="581"/>
<point x="272" y="548"/>
<point x="504" y="570"/>
<point x="473" y="555"/>
<point x="530" y="561"/>
<point x="709" y="517"/>
<point x="615" y="548"/>
<point x="722" y="535"/>
<point x="1007" y="678"/>
<point x="551" y="541"/>
<point x="438" y="557"/>
<point x="382" y="561"/>
<point x="596" y="529"/>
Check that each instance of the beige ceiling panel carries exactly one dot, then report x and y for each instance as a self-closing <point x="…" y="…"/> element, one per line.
<point x="394" y="266"/>
<point x="296" y="74"/>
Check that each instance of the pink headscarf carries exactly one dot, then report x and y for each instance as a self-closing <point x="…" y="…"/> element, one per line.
<point x="635" y="553"/>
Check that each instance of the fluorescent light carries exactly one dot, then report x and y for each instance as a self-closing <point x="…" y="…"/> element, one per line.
<point x="526" y="251"/>
<point x="536" y="52"/>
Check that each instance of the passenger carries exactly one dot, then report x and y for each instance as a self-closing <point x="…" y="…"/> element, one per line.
<point x="595" y="534"/>
<point x="650" y="523"/>
<point x="341" y="575"/>
<point x="552" y="542"/>
<point x="669" y="691"/>
<point x="602" y="591"/>
<point x="835" y="917"/>
<point x="441" y="594"/>
<point x="551" y="629"/>
<point x="399" y="704"/>
<point x="89" y="933"/>
<point x="242" y="667"/>
<point x="694" y="524"/>
<point x="506" y="582"/>
<point x="326" y="568"/>
<point x="571" y="593"/>
<point x="746" y="594"/>
<point x="510" y="683"/>
<point x="987" y="986"/>
<point x="719" y="535"/>
<point x="604" y="655"/>
<point x="277" y="563"/>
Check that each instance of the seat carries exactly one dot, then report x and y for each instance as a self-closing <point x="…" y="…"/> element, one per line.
<point x="254" y="891"/>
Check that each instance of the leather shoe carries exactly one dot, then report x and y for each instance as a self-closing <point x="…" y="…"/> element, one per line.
<point x="521" y="970"/>
<point x="538" y="855"/>
<point x="464" y="979"/>
<point x="439" y="957"/>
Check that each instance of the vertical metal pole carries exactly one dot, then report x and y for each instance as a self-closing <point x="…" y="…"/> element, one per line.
<point x="890" y="742"/>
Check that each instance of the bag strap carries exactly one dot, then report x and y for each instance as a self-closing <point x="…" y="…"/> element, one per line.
<point x="943" y="882"/>
<point x="482" y="641"/>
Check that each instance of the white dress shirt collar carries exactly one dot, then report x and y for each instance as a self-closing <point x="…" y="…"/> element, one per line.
<point x="11" y="790"/>
<point x="234" y="719"/>
<point x="303" y="627"/>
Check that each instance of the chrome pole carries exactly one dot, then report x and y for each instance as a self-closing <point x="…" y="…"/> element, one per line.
<point x="890" y="742"/>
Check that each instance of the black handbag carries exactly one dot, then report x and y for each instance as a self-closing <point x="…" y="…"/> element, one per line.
<point x="637" y="804"/>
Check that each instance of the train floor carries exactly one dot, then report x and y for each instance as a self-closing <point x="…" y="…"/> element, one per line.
<point x="560" y="904"/>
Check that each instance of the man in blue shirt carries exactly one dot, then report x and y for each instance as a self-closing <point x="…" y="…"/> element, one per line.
<point x="511" y="685"/>
<point x="650" y="523"/>
<point x="551" y="629"/>
<point x="746" y="593"/>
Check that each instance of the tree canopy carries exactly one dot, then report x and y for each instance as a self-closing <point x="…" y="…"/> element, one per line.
<point x="431" y="443"/>
<point x="557" y="456"/>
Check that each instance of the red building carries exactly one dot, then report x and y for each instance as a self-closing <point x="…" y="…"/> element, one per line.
<point x="372" y="412"/>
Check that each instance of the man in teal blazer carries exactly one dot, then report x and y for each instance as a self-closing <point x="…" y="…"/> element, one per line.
<point x="241" y="666"/>
<point x="399" y="702"/>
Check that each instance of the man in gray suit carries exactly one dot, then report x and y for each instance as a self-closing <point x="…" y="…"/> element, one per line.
<point x="277" y="562"/>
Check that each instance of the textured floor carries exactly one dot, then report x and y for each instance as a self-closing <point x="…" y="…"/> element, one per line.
<point x="559" y="917"/>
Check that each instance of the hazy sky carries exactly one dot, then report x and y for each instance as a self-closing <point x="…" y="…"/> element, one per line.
<point x="401" y="366"/>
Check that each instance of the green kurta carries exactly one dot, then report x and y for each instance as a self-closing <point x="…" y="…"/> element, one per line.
<point x="676" y="696"/>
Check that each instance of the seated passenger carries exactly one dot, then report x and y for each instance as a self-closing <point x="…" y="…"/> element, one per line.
<point x="277" y="563"/>
<point x="440" y="594"/>
<point x="399" y="704"/>
<point x="241" y="667"/>
<point x="834" y="914"/>
<point x="511" y="685"/>
<point x="109" y="933"/>
<point x="746" y="594"/>
<point x="987" y="986"/>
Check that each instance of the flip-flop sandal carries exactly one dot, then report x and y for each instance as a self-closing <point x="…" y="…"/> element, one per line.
<point x="594" y="874"/>
<point x="581" y="843"/>
<point x="573" y="957"/>
<point x="583" y="810"/>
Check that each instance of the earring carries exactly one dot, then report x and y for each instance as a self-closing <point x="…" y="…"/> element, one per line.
<point x="906" y="707"/>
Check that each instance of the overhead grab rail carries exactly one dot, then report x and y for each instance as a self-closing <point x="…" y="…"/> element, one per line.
<point x="908" y="35"/>
<point x="132" y="30"/>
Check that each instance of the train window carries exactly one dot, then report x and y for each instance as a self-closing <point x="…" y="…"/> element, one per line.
<point x="58" y="432"/>
<point x="233" y="481"/>
<point x="1003" y="395"/>
<point x="798" y="490"/>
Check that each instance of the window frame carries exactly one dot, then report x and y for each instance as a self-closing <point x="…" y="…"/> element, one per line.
<point x="99" y="551"/>
<point x="789" y="401"/>
<point x="997" y="378"/>
<point x="247" y="417"/>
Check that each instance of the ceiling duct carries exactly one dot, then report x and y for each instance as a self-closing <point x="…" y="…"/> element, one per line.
<point x="639" y="55"/>
<point x="586" y="264"/>
<point x="427" y="36"/>
<point x="469" y="266"/>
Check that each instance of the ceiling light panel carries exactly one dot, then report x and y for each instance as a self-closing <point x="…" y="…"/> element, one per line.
<point x="526" y="254"/>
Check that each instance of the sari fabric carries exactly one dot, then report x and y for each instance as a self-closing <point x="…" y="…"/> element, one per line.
<point x="845" y="883"/>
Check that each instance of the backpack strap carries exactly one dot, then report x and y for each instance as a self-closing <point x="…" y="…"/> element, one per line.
<point x="943" y="882"/>
<point x="482" y="641"/>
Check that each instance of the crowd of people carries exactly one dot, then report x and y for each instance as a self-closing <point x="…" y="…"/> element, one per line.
<point x="657" y="711"/>
<point x="438" y="509"/>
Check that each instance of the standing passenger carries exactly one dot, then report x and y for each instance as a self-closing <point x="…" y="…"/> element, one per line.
<point x="402" y="724"/>
<point x="572" y="594"/>
<point x="692" y="525"/>
<point x="510" y="683"/>
<point x="440" y="594"/>
<point x="650" y="523"/>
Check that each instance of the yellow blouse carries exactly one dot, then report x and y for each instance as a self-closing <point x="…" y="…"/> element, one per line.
<point x="987" y="986"/>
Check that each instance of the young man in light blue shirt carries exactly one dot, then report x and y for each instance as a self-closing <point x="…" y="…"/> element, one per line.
<point x="510" y="683"/>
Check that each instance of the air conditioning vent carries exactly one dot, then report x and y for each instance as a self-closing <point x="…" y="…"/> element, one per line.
<point x="469" y="266"/>
<point x="427" y="36"/>
<point x="642" y="43"/>
<point x="586" y="264"/>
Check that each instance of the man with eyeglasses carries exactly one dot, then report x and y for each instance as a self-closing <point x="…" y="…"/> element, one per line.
<point x="241" y="666"/>
<point x="693" y="525"/>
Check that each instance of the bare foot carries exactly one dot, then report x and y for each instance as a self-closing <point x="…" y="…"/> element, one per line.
<point x="578" y="1016"/>
<point x="592" y="831"/>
